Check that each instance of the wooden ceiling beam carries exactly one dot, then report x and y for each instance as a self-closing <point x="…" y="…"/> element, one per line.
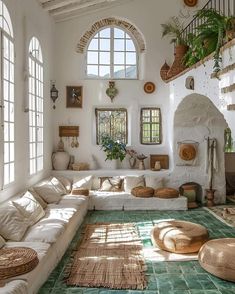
<point x="77" y="6"/>
<point x="57" y="4"/>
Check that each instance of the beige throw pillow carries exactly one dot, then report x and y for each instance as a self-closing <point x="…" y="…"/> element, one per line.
<point x="38" y="198"/>
<point x="29" y="207"/>
<point x="131" y="182"/>
<point x="2" y="242"/>
<point x="50" y="190"/>
<point x="67" y="183"/>
<point x="83" y="182"/>
<point x="113" y="184"/>
<point x="153" y="182"/>
<point x="13" y="225"/>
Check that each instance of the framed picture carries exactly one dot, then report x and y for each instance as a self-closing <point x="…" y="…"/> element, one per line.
<point x="74" y="96"/>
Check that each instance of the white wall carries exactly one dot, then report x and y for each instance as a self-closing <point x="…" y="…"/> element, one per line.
<point x="37" y="23"/>
<point x="147" y="17"/>
<point x="212" y="123"/>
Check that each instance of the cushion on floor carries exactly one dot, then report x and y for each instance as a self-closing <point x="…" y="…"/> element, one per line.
<point x="179" y="236"/>
<point x="218" y="258"/>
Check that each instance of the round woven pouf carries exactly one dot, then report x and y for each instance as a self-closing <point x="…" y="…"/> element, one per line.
<point x="166" y="193"/>
<point x="179" y="236"/>
<point x="218" y="258"/>
<point x="17" y="261"/>
<point x="143" y="192"/>
<point x="80" y="191"/>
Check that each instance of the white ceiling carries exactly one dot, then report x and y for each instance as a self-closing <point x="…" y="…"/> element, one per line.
<point x="66" y="9"/>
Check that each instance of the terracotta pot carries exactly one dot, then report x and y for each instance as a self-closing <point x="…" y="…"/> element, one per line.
<point x="164" y="70"/>
<point x="178" y="66"/>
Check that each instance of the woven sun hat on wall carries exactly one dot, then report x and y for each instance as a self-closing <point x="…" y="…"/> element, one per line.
<point x="187" y="152"/>
<point x="190" y="3"/>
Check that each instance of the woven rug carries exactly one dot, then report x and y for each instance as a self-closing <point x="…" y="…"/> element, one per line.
<point x="225" y="213"/>
<point x="110" y="256"/>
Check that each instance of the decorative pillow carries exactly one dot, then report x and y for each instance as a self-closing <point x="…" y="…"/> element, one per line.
<point x="13" y="225"/>
<point x="50" y="190"/>
<point x="29" y="207"/>
<point x="2" y="242"/>
<point x="67" y="183"/>
<point x="131" y="182"/>
<point x="153" y="182"/>
<point x="82" y="182"/>
<point x="113" y="184"/>
<point x="38" y="198"/>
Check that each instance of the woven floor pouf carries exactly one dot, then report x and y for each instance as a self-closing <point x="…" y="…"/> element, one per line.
<point x="143" y="192"/>
<point x="179" y="236"/>
<point x="17" y="261"/>
<point x="80" y="191"/>
<point x="166" y="193"/>
<point x="218" y="258"/>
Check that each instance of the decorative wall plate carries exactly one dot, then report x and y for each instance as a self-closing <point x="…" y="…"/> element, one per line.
<point x="149" y="87"/>
<point x="187" y="152"/>
<point x="190" y="3"/>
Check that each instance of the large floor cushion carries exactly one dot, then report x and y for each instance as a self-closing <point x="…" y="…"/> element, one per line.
<point x="218" y="258"/>
<point x="179" y="236"/>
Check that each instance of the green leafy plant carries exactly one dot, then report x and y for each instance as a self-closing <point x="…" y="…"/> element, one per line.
<point x="196" y="50"/>
<point x="113" y="149"/>
<point x="213" y="31"/>
<point x="173" y="29"/>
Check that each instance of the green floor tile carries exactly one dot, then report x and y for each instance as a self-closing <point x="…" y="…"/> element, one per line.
<point x="163" y="277"/>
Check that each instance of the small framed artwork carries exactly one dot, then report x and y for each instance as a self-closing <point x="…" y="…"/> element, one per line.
<point x="74" y="96"/>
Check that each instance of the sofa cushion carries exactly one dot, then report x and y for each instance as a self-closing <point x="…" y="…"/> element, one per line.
<point x="113" y="184"/>
<point x="67" y="183"/>
<point x="73" y="200"/>
<point x="50" y="190"/>
<point x="29" y="207"/>
<point x="131" y="182"/>
<point x="13" y="225"/>
<point x="15" y="287"/>
<point x="38" y="198"/>
<point x="82" y="182"/>
<point x="2" y="242"/>
<point x="153" y="181"/>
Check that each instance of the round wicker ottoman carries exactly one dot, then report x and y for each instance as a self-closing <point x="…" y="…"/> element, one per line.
<point x="179" y="236"/>
<point x="166" y="193"/>
<point x="143" y="192"/>
<point x="218" y="258"/>
<point x="80" y="191"/>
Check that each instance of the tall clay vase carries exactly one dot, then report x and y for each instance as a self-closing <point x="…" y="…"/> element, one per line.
<point x="60" y="160"/>
<point x="178" y="66"/>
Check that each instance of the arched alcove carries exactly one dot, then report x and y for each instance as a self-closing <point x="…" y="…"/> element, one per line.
<point x="197" y="118"/>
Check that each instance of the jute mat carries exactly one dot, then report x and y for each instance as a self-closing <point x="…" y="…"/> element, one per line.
<point x="110" y="256"/>
<point x="225" y="213"/>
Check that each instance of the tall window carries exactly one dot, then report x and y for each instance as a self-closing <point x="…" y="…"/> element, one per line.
<point x="112" y="54"/>
<point x="7" y="98"/>
<point x="111" y="122"/>
<point x="35" y="107"/>
<point x="150" y="124"/>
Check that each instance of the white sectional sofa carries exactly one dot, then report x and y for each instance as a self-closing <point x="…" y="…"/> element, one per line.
<point x="50" y="237"/>
<point x="53" y="230"/>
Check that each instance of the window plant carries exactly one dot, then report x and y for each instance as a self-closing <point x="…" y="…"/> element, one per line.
<point x="113" y="149"/>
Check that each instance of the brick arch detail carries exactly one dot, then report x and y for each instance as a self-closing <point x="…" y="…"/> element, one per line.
<point x="129" y="28"/>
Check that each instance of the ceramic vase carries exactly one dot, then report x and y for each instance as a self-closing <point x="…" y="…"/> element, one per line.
<point x="60" y="160"/>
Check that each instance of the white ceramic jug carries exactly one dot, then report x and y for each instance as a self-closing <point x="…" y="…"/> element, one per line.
<point x="60" y="160"/>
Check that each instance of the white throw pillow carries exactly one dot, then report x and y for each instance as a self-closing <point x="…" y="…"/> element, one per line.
<point x="153" y="182"/>
<point x="50" y="190"/>
<point x="82" y="182"/>
<point x="29" y="207"/>
<point x="2" y="242"/>
<point x="67" y="183"/>
<point x="131" y="182"/>
<point x="13" y="225"/>
<point x="38" y="198"/>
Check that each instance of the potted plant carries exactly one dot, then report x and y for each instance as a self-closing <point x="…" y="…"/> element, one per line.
<point x="114" y="150"/>
<point x="213" y="30"/>
<point x="173" y="29"/>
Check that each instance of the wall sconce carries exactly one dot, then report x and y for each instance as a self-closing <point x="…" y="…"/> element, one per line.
<point x="54" y="93"/>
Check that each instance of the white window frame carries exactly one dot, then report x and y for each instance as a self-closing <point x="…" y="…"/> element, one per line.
<point x="7" y="100"/>
<point x="112" y="56"/>
<point x="36" y="107"/>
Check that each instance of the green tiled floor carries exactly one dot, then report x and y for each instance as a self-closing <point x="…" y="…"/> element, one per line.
<point x="163" y="277"/>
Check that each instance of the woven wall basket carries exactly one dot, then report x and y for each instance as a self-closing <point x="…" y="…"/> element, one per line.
<point x="187" y="152"/>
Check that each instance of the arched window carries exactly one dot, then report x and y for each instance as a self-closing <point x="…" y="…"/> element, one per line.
<point x="112" y="54"/>
<point x="35" y="107"/>
<point x="7" y="98"/>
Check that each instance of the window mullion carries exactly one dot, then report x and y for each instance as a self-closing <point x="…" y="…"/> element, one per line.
<point x="112" y="53"/>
